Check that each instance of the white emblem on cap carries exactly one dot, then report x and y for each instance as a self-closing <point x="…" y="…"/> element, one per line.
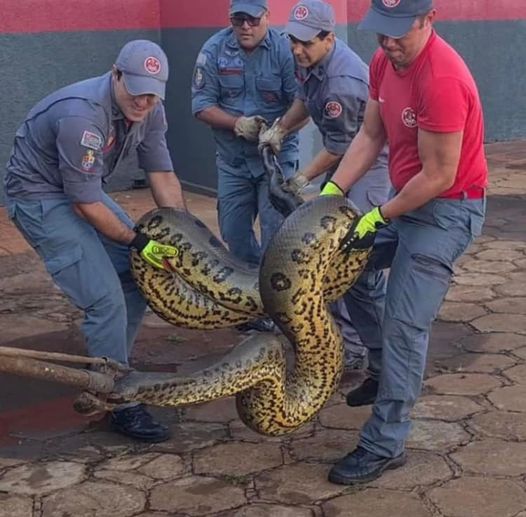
<point x="333" y="109"/>
<point x="390" y="3"/>
<point x="152" y="65"/>
<point x="301" y="12"/>
<point x="409" y="117"/>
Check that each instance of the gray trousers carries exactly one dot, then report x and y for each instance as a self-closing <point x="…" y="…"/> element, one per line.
<point x="420" y="249"/>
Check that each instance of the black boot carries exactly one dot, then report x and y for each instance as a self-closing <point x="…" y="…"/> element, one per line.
<point x="364" y="394"/>
<point x="361" y="466"/>
<point x="137" y="423"/>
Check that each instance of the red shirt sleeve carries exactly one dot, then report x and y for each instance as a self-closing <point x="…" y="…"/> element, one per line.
<point x="375" y="75"/>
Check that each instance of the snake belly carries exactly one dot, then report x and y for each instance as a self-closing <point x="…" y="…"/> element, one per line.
<point x="302" y="271"/>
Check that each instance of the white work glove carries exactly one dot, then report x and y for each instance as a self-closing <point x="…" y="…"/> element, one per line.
<point x="273" y="137"/>
<point x="248" y="127"/>
<point x="295" y="184"/>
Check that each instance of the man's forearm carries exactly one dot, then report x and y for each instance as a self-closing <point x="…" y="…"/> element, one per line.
<point x="321" y="163"/>
<point x="295" y="118"/>
<point x="105" y="221"/>
<point x="166" y="190"/>
<point x="217" y="118"/>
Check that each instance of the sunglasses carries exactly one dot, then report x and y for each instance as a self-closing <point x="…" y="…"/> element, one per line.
<point x="237" y="20"/>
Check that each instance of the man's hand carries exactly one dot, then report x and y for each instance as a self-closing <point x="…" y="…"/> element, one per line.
<point x="295" y="184"/>
<point x="154" y="252"/>
<point x="248" y="127"/>
<point x="362" y="235"/>
<point x="331" y="189"/>
<point x="273" y="137"/>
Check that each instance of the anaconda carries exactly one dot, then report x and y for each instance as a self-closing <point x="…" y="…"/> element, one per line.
<point x="302" y="270"/>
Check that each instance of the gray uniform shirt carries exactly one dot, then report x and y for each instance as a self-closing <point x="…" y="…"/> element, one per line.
<point x="74" y="138"/>
<point x="335" y="92"/>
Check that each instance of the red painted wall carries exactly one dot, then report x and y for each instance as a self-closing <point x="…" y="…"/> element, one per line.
<point x="21" y="16"/>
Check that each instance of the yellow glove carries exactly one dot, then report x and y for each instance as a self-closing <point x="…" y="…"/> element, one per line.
<point x="248" y="127"/>
<point x="154" y="252"/>
<point x="331" y="189"/>
<point x="273" y="137"/>
<point x="362" y="234"/>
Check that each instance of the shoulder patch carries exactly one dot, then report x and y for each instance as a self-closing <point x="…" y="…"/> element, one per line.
<point x="201" y="59"/>
<point x="198" y="80"/>
<point x="88" y="160"/>
<point x="333" y="109"/>
<point x="91" y="140"/>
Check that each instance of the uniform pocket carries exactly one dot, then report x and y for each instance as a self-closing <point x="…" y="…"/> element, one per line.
<point x="66" y="258"/>
<point x="231" y="88"/>
<point x="269" y="90"/>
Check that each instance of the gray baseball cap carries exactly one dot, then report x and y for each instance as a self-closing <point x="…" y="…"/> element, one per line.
<point x="144" y="66"/>
<point x="394" y="18"/>
<point x="253" y="8"/>
<point x="308" y="18"/>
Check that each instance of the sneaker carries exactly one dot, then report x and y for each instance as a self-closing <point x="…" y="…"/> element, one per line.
<point x="136" y="422"/>
<point x="361" y="466"/>
<point x="262" y="325"/>
<point x="364" y="394"/>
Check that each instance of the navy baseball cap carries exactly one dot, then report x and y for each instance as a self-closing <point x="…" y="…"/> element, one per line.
<point x="144" y="68"/>
<point x="394" y="18"/>
<point x="308" y="18"/>
<point x="253" y="8"/>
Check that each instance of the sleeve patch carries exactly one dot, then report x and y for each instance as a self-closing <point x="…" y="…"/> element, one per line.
<point x="333" y="109"/>
<point x="199" y="78"/>
<point x="201" y="59"/>
<point x="91" y="140"/>
<point x="88" y="160"/>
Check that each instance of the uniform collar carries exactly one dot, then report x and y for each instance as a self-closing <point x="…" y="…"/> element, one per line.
<point x="116" y="112"/>
<point x="319" y="70"/>
<point x="233" y="44"/>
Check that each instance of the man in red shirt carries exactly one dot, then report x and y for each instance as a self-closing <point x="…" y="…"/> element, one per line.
<point x="424" y="102"/>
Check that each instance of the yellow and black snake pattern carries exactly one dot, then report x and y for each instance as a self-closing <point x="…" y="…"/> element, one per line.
<point x="303" y="269"/>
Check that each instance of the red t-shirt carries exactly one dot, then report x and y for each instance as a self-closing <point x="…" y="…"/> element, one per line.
<point x="436" y="93"/>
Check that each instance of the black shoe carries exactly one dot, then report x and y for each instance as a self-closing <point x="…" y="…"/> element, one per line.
<point x="364" y="394"/>
<point x="361" y="466"/>
<point x="137" y="423"/>
<point x="262" y="325"/>
<point x="354" y="362"/>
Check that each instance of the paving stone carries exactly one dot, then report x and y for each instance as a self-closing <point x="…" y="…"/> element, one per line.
<point x="192" y="435"/>
<point x="15" y="327"/>
<point x="493" y="343"/>
<point x="477" y="363"/>
<point x="500" y="424"/>
<point x="456" y="311"/>
<point x="223" y="410"/>
<point x="134" y="479"/>
<point x="492" y="457"/>
<point x="237" y="459"/>
<point x="497" y="255"/>
<point x="10" y="462"/>
<point x="129" y="462"/>
<point x="433" y="435"/>
<point x="509" y="398"/>
<point x="239" y="431"/>
<point x="469" y="293"/>
<point x="421" y="469"/>
<point x="508" y="305"/>
<point x="300" y="483"/>
<point x="444" y="407"/>
<point x="165" y="467"/>
<point x="462" y="384"/>
<point x="517" y="374"/>
<point x="97" y="499"/>
<point x="479" y="497"/>
<point x="520" y="352"/>
<point x="341" y="416"/>
<point x="196" y="496"/>
<point x="487" y="266"/>
<point x="479" y="279"/>
<point x="268" y="510"/>
<point x="501" y="323"/>
<point x="515" y="286"/>
<point x="40" y="478"/>
<point x="376" y="503"/>
<point x="326" y="445"/>
<point x="14" y="506"/>
<point x="520" y="263"/>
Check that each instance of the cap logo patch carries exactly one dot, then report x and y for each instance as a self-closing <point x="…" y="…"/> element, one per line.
<point x="152" y="65"/>
<point x="333" y="109"/>
<point x="300" y="13"/>
<point x="409" y="117"/>
<point x="390" y="4"/>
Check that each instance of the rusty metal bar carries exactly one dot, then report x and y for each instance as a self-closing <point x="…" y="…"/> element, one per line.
<point x="83" y="379"/>
<point x="55" y="356"/>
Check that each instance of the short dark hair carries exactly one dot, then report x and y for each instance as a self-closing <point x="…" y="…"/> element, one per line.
<point x="323" y="34"/>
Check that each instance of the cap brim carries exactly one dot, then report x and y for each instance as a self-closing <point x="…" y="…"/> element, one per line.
<point x="394" y="27"/>
<point x="251" y="10"/>
<point x="300" y="31"/>
<point x="139" y="85"/>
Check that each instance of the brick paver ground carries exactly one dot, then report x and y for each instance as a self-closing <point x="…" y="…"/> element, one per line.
<point x="467" y="451"/>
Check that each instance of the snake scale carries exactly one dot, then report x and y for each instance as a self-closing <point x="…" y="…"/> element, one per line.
<point x="302" y="270"/>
